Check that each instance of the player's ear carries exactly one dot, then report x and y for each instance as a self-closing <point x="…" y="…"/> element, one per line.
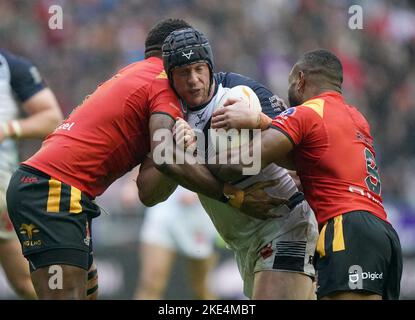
<point x="301" y="82"/>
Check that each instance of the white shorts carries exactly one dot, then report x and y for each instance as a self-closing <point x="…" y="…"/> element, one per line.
<point x="291" y="250"/>
<point x="184" y="228"/>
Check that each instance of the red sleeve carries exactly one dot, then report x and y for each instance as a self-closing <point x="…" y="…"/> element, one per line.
<point x="164" y="100"/>
<point x="296" y="123"/>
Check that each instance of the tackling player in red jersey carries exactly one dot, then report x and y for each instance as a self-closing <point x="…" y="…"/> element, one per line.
<point x="50" y="197"/>
<point x="315" y="127"/>
<point x="329" y="143"/>
<point x="108" y="134"/>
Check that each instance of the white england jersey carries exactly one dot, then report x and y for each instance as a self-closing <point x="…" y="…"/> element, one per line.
<point x="236" y="228"/>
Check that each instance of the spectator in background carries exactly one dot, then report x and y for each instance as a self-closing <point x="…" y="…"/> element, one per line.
<point x="21" y="88"/>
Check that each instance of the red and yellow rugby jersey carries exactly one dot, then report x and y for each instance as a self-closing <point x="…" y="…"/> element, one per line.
<point x="334" y="156"/>
<point x="108" y="134"/>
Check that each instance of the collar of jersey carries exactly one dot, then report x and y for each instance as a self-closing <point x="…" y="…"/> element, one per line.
<point x="334" y="94"/>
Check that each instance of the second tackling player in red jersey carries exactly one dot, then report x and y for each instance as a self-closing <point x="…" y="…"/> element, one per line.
<point x="329" y="143"/>
<point x="334" y="156"/>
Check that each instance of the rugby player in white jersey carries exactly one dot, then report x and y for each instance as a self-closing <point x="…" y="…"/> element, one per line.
<point x="274" y="255"/>
<point x="21" y="89"/>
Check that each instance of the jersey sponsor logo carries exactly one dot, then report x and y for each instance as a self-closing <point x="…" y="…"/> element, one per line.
<point x="277" y="104"/>
<point x="29" y="230"/>
<point x="66" y="126"/>
<point x="284" y="115"/>
<point x="188" y="54"/>
<point x="364" y="193"/>
<point x="29" y="180"/>
<point x="288" y="112"/>
<point x="357" y="275"/>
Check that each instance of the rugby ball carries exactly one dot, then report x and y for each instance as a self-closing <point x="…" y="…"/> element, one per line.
<point x="222" y="140"/>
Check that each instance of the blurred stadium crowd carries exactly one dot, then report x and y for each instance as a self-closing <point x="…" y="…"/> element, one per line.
<point x="260" y="38"/>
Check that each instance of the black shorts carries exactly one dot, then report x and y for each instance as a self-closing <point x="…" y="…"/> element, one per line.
<point x="358" y="251"/>
<point x="51" y="219"/>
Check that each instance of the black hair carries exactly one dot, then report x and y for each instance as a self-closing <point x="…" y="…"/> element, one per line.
<point x="323" y="63"/>
<point x="159" y="32"/>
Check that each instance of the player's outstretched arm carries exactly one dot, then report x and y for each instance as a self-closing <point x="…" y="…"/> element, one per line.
<point x="235" y="116"/>
<point x="274" y="147"/>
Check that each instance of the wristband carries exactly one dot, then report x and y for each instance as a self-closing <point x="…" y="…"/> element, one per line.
<point x="235" y="195"/>
<point x="17" y="129"/>
<point x="264" y="121"/>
